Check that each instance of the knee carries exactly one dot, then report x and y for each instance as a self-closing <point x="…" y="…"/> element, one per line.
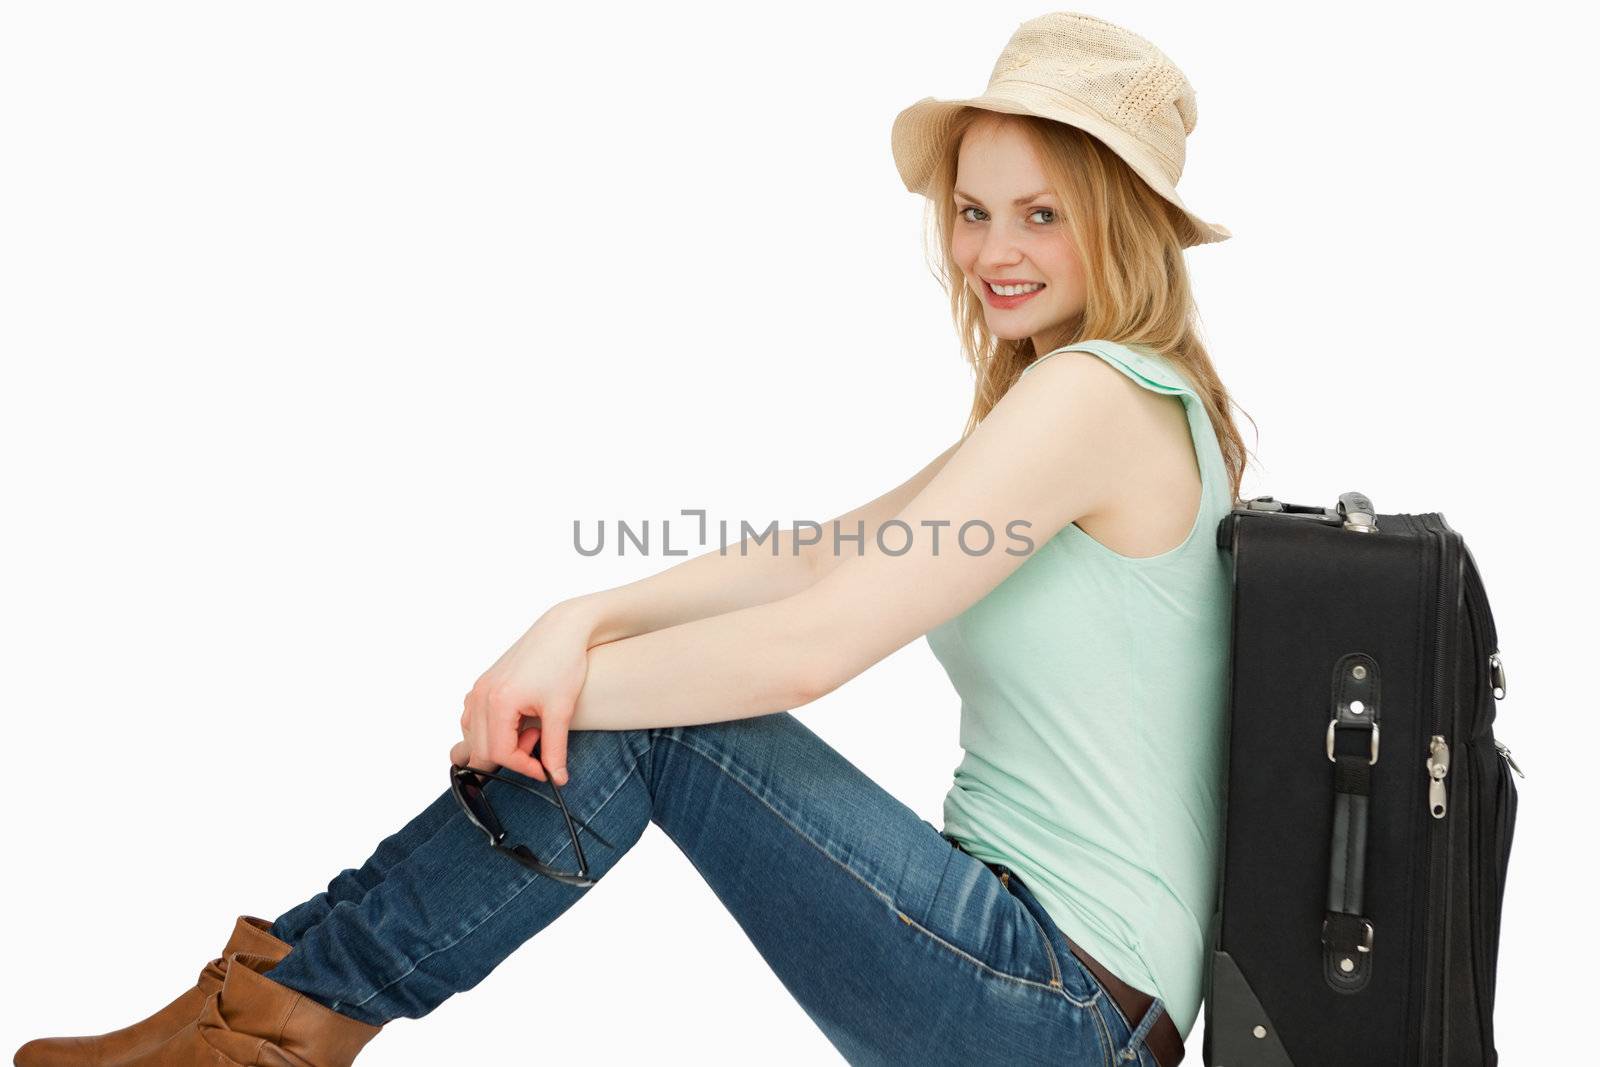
<point x="778" y="722"/>
<point x="757" y="739"/>
<point x="590" y="751"/>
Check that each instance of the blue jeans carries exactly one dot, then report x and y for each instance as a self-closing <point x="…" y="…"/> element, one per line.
<point x="899" y="946"/>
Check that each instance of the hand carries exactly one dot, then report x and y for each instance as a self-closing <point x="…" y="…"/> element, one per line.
<point x="525" y="700"/>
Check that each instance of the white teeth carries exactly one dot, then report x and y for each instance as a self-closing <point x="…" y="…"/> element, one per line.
<point x="1014" y="290"/>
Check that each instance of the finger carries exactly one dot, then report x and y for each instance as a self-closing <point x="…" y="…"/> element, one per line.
<point x="524" y="764"/>
<point x="528" y="737"/>
<point x="477" y="737"/>
<point x="480" y="759"/>
<point x="527" y="741"/>
<point x="461" y="755"/>
<point x="553" y="747"/>
<point x="508" y="750"/>
<point x="501" y="715"/>
<point x="478" y="747"/>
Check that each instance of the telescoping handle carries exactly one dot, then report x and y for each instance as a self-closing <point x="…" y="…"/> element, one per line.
<point x="1354" y="511"/>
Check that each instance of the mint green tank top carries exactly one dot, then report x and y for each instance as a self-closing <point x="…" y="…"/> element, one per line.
<point x="1093" y="719"/>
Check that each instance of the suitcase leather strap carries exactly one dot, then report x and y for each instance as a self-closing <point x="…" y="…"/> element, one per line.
<point x="1347" y="932"/>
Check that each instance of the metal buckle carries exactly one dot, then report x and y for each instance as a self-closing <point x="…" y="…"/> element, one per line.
<point x="1335" y="722"/>
<point x="1359" y="948"/>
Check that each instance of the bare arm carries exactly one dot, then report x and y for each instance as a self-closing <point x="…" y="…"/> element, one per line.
<point x="874" y="513"/>
<point x="743" y="575"/>
<point x="1051" y="451"/>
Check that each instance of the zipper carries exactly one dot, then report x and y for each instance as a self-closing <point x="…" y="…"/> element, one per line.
<point x="1436" y="853"/>
<point x="1479" y="603"/>
<point x="1497" y="671"/>
<point x="1505" y="813"/>
<point x="1479" y="597"/>
<point x="1438" y="767"/>
<point x="1457" y="573"/>
<point x="1475" y="714"/>
<point x="1484" y="872"/>
<point x="1506" y="752"/>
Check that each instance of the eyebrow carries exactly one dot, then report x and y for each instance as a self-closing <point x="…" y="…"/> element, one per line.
<point x="1018" y="202"/>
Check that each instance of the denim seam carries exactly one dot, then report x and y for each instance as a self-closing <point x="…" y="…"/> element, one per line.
<point x="1138" y="1047"/>
<point x="533" y="877"/>
<point x="1057" y="979"/>
<point x="1104" y="1030"/>
<point x="885" y="897"/>
<point x="1114" y="1006"/>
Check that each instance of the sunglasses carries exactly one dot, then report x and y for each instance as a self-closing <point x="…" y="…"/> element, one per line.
<point x="468" y="783"/>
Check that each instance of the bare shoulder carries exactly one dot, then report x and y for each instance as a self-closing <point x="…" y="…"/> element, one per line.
<point x="1096" y="388"/>
<point x="1145" y="442"/>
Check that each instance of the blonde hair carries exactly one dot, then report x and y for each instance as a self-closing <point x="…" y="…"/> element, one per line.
<point x="1137" y="285"/>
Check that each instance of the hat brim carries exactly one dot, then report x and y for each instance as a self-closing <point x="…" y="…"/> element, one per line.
<point x="920" y="131"/>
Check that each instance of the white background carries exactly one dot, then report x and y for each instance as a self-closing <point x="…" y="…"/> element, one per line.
<point x="323" y="322"/>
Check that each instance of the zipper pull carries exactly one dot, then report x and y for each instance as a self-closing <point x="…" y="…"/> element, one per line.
<point x="1506" y="752"/>
<point x="1497" y="671"/>
<point x="1438" y="767"/>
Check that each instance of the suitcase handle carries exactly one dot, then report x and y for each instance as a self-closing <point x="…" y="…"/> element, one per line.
<point x="1354" y="511"/>
<point x="1347" y="933"/>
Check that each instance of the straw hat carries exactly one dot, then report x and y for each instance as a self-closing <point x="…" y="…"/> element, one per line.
<point x="1085" y="72"/>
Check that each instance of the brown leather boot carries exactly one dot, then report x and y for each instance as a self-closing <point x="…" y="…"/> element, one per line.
<point x="250" y="934"/>
<point x="253" y="1021"/>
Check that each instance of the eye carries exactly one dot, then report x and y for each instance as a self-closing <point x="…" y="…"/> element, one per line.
<point x="1048" y="211"/>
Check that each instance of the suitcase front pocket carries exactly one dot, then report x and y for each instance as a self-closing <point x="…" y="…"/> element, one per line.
<point x="1493" y="801"/>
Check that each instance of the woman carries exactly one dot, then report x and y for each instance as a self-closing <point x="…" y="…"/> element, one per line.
<point x="1061" y="914"/>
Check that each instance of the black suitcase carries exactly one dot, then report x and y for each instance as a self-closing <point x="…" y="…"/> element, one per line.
<point x="1369" y="807"/>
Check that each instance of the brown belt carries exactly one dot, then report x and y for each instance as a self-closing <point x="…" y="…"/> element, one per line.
<point x="1162" y="1039"/>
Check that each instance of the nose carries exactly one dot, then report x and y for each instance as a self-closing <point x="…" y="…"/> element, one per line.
<point x="998" y="251"/>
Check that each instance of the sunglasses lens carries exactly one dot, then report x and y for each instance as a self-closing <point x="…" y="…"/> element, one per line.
<point x="469" y="788"/>
<point x="530" y="861"/>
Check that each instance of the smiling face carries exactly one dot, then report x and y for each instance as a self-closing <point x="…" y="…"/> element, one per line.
<point x="1009" y="232"/>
